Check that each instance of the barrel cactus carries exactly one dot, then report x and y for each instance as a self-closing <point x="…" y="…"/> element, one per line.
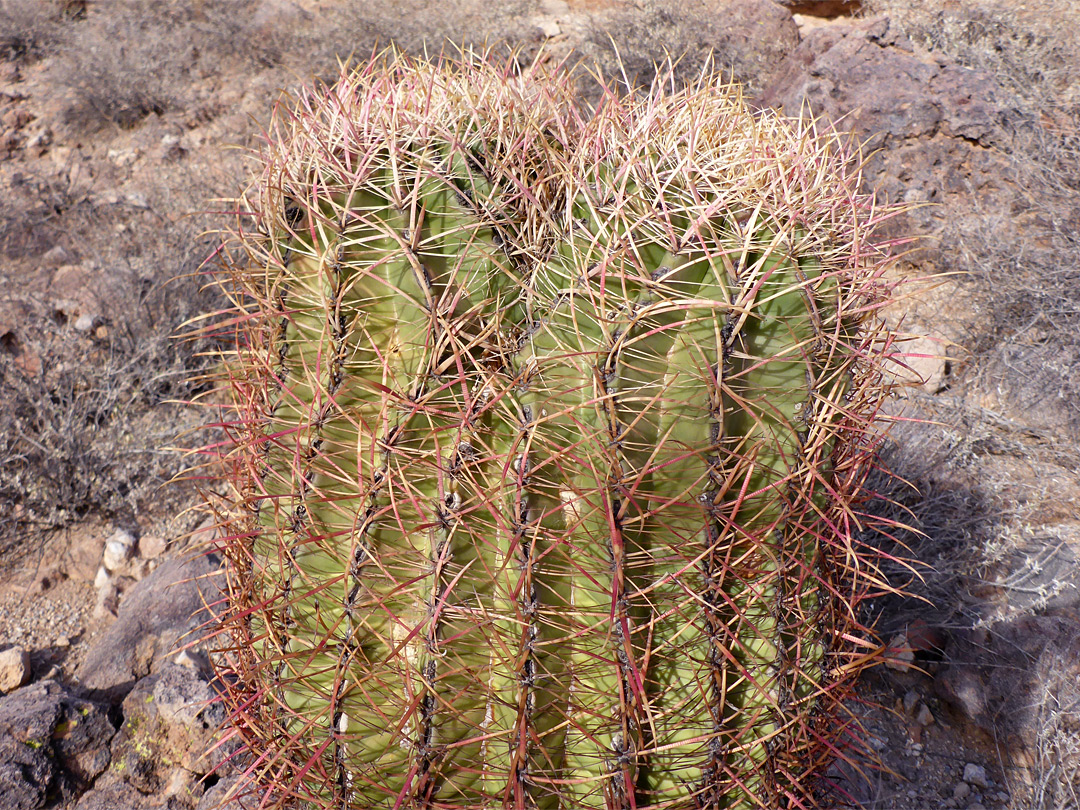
<point x="551" y="430"/>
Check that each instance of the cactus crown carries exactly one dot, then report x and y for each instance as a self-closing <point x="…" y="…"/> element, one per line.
<point x="551" y="431"/>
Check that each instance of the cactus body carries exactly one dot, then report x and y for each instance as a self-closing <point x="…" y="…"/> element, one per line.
<point x="551" y="433"/>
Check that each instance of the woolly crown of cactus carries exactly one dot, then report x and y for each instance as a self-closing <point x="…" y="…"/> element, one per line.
<point x="550" y="435"/>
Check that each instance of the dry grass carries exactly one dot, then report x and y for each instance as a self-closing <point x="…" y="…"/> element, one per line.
<point x="28" y="28"/>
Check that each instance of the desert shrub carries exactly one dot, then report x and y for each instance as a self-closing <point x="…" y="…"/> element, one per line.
<point x="28" y="28"/>
<point x="133" y="58"/>
<point x="88" y="430"/>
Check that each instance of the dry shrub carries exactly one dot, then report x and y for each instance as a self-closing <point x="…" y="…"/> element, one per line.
<point x="28" y="28"/>
<point x="1053" y="776"/>
<point x="133" y="58"/>
<point x="88" y="433"/>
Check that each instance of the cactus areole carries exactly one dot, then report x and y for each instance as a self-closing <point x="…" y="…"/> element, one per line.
<point x="550" y="434"/>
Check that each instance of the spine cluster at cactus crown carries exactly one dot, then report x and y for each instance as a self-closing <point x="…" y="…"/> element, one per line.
<point x="551" y="431"/>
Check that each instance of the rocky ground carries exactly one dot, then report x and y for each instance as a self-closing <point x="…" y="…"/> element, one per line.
<point x="116" y="122"/>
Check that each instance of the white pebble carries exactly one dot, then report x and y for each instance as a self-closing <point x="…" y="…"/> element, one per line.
<point x="118" y="549"/>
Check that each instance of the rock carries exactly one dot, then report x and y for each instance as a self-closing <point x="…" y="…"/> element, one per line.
<point x="151" y="546"/>
<point x="964" y="689"/>
<point x="123" y="157"/>
<point x="52" y="744"/>
<point x="924" y="717"/>
<point x="976" y="775"/>
<point x="55" y="256"/>
<point x="111" y="792"/>
<point x="73" y="292"/>
<point x="991" y="677"/>
<point x="14" y="668"/>
<point x="911" y="700"/>
<point x="170" y="719"/>
<point x="108" y="600"/>
<point x="118" y="549"/>
<point x="942" y="131"/>
<point x="824" y="8"/>
<point x="215" y="796"/>
<point x="961" y="791"/>
<point x="548" y="27"/>
<point x="155" y="615"/>
<point x="171" y="147"/>
<point x="899" y="656"/>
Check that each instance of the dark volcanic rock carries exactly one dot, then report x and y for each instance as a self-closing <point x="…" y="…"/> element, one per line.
<point x="154" y="619"/>
<point x="170" y="719"/>
<point x="52" y="744"/>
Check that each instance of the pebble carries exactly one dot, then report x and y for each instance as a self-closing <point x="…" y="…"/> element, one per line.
<point x="899" y="656"/>
<point x="151" y="546"/>
<point x="101" y="580"/>
<point x="14" y="668"/>
<point x="961" y="790"/>
<point x="549" y="28"/>
<point x="911" y="699"/>
<point x="118" y="549"/>
<point x="62" y="641"/>
<point x="924" y="717"/>
<point x="976" y="775"/>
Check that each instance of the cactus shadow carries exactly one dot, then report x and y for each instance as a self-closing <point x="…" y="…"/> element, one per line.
<point x="991" y="608"/>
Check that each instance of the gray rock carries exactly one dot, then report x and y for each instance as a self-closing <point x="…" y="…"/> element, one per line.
<point x="213" y="798"/>
<point x="118" y="548"/>
<point x="170" y="719"/>
<point x="52" y="744"/>
<point x="924" y="717"/>
<point x="154" y="619"/>
<point x="976" y="775"/>
<point x="965" y="690"/>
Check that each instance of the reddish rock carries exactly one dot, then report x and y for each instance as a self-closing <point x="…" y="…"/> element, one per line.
<point x="937" y="126"/>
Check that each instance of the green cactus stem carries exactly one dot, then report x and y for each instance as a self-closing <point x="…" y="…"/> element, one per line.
<point x="551" y="431"/>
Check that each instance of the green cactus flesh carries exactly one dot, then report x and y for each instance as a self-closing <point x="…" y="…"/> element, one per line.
<point x="541" y="483"/>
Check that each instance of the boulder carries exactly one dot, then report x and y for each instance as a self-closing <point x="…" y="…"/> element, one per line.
<point x="52" y="744"/>
<point x="170" y="719"/>
<point x="157" y="617"/>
